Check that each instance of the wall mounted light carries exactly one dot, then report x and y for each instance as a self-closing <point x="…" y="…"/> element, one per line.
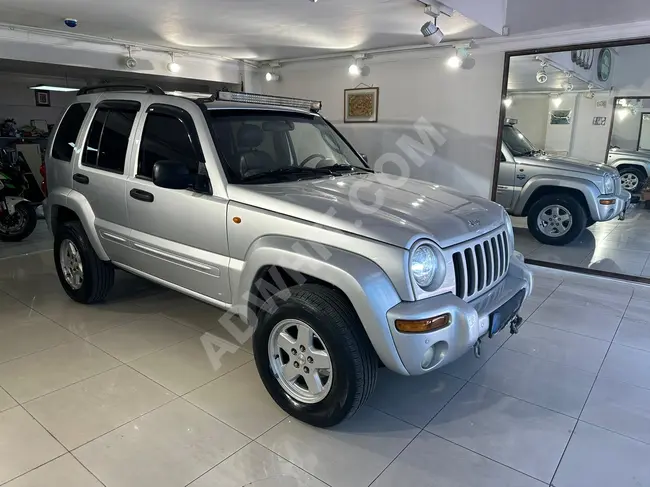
<point x="507" y="102"/>
<point x="462" y="57"/>
<point x="129" y="61"/>
<point x="173" y="66"/>
<point x="272" y="74"/>
<point x="357" y="68"/>
<point x="556" y="99"/>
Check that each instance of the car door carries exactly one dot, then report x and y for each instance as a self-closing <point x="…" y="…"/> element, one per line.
<point x="178" y="236"/>
<point x="99" y="173"/>
<point x="506" y="180"/>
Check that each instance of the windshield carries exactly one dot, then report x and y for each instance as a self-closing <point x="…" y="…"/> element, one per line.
<point x="517" y="142"/>
<point x="261" y="146"/>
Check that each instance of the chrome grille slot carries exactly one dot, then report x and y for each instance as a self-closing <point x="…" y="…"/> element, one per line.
<point x="480" y="264"/>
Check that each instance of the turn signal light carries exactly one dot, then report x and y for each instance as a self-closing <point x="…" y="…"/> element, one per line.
<point x="423" y="326"/>
<point x="607" y="202"/>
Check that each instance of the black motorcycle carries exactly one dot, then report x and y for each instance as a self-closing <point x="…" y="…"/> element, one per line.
<point x="19" y="196"/>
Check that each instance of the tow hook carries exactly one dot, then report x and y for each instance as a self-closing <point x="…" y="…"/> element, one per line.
<point x="515" y="325"/>
<point x="477" y="348"/>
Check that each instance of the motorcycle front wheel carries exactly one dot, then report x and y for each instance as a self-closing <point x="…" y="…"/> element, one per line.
<point x="20" y="225"/>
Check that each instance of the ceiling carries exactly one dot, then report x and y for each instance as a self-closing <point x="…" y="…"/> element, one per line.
<point x="245" y="29"/>
<point x="522" y="77"/>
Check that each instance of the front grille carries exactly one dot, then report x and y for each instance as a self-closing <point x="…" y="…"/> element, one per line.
<point x="480" y="264"/>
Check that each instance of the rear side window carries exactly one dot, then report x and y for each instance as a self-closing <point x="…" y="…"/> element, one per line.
<point x="108" y="139"/>
<point x="167" y="137"/>
<point x="66" y="135"/>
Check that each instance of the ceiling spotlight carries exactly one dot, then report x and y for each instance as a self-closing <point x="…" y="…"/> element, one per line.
<point x="590" y="93"/>
<point x="461" y="57"/>
<point x="454" y="61"/>
<point x="556" y="99"/>
<point x="354" y="69"/>
<point x="430" y="30"/>
<point x="272" y="76"/>
<point x="357" y="67"/>
<point x="173" y="66"/>
<point x="130" y="61"/>
<point x="541" y="75"/>
<point x="507" y="102"/>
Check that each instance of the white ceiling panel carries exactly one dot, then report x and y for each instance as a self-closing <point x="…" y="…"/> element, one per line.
<point x="247" y="29"/>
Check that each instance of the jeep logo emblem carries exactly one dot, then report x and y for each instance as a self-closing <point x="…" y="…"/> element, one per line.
<point x="473" y="223"/>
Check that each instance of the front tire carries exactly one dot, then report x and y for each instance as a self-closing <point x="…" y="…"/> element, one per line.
<point x="26" y="217"/>
<point x="556" y="219"/>
<point x="632" y="179"/>
<point x="85" y="277"/>
<point x="317" y="329"/>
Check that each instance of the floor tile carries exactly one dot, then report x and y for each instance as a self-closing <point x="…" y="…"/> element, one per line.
<point x="530" y="306"/>
<point x="559" y="346"/>
<point x="585" y="319"/>
<point x="628" y="365"/>
<point x="83" y="411"/>
<point x="86" y="320"/>
<point x="598" y="457"/>
<point x="520" y="435"/>
<point x="254" y="466"/>
<point x="350" y="454"/>
<point x="6" y="401"/>
<point x="619" y="407"/>
<point x="638" y="309"/>
<point x="414" y="399"/>
<point x="635" y="334"/>
<point x="559" y="255"/>
<point x="171" y="446"/>
<point x="193" y="313"/>
<point x="188" y="365"/>
<point x="44" y="372"/>
<point x="142" y="337"/>
<point x="30" y="335"/>
<point x="547" y="384"/>
<point x="594" y="294"/>
<point x="466" y="366"/>
<point x="430" y="460"/>
<point x="543" y="287"/>
<point x="65" y="471"/>
<point x="24" y="444"/>
<point x="240" y="400"/>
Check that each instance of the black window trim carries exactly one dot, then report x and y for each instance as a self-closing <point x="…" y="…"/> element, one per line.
<point x="109" y="106"/>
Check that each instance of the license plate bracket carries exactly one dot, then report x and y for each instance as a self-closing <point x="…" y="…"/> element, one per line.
<point x="507" y="312"/>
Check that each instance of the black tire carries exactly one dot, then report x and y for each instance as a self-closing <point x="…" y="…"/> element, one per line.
<point x="640" y="175"/>
<point x="578" y="215"/>
<point x="29" y="213"/>
<point x="354" y="362"/>
<point x="590" y="222"/>
<point x="98" y="275"/>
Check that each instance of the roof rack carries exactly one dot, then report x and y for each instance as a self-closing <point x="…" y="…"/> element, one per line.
<point x="152" y="89"/>
<point x="283" y="101"/>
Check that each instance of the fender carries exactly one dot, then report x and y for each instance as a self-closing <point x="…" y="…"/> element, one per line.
<point x="12" y="201"/>
<point x="364" y="283"/>
<point x="76" y="202"/>
<point x="586" y="187"/>
<point x="644" y="165"/>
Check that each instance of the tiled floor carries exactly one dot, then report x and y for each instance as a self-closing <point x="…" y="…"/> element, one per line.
<point x="129" y="393"/>
<point x="614" y="246"/>
<point x="40" y="239"/>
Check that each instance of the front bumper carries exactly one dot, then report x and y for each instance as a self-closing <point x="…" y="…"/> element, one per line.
<point x="609" y="207"/>
<point x="469" y="321"/>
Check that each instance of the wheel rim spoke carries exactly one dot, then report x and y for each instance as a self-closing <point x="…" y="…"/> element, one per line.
<point x="314" y="383"/>
<point x="320" y="360"/>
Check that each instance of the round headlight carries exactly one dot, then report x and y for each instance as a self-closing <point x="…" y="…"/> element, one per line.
<point x="423" y="265"/>
<point x="608" y="184"/>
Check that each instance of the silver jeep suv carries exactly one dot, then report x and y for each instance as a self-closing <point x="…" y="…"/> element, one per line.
<point x="258" y="206"/>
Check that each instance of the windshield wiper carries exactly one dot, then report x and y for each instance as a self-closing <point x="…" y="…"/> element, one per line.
<point x="346" y="167"/>
<point x="290" y="170"/>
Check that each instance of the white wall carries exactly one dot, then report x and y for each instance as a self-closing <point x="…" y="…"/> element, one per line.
<point x="17" y="101"/>
<point x="531" y="112"/>
<point x="462" y="105"/>
<point x="589" y="140"/>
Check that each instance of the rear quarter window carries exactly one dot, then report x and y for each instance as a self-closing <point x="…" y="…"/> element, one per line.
<point x="66" y="135"/>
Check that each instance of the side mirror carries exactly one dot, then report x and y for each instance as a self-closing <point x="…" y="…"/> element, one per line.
<point x="171" y="175"/>
<point x="364" y="157"/>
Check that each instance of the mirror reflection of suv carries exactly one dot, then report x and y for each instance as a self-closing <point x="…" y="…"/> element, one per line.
<point x="266" y="211"/>
<point x="560" y="196"/>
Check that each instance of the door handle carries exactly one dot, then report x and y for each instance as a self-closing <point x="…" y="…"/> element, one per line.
<point x="138" y="194"/>
<point x="81" y="178"/>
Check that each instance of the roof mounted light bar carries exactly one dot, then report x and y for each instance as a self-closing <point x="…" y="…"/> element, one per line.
<point x="283" y="101"/>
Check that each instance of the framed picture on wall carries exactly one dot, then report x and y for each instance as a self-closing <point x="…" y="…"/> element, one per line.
<point x="560" y="117"/>
<point x="361" y="105"/>
<point x="42" y="98"/>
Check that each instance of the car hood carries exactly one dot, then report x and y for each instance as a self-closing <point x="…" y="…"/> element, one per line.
<point x="567" y="164"/>
<point x="365" y="206"/>
<point x="629" y="154"/>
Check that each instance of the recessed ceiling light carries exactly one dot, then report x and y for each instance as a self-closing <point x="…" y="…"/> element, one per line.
<point x="52" y="88"/>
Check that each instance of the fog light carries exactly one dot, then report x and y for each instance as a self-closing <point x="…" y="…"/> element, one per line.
<point x="428" y="358"/>
<point x="608" y="202"/>
<point x="423" y="326"/>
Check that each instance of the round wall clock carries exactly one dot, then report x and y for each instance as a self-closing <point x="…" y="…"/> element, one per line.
<point x="604" y="64"/>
